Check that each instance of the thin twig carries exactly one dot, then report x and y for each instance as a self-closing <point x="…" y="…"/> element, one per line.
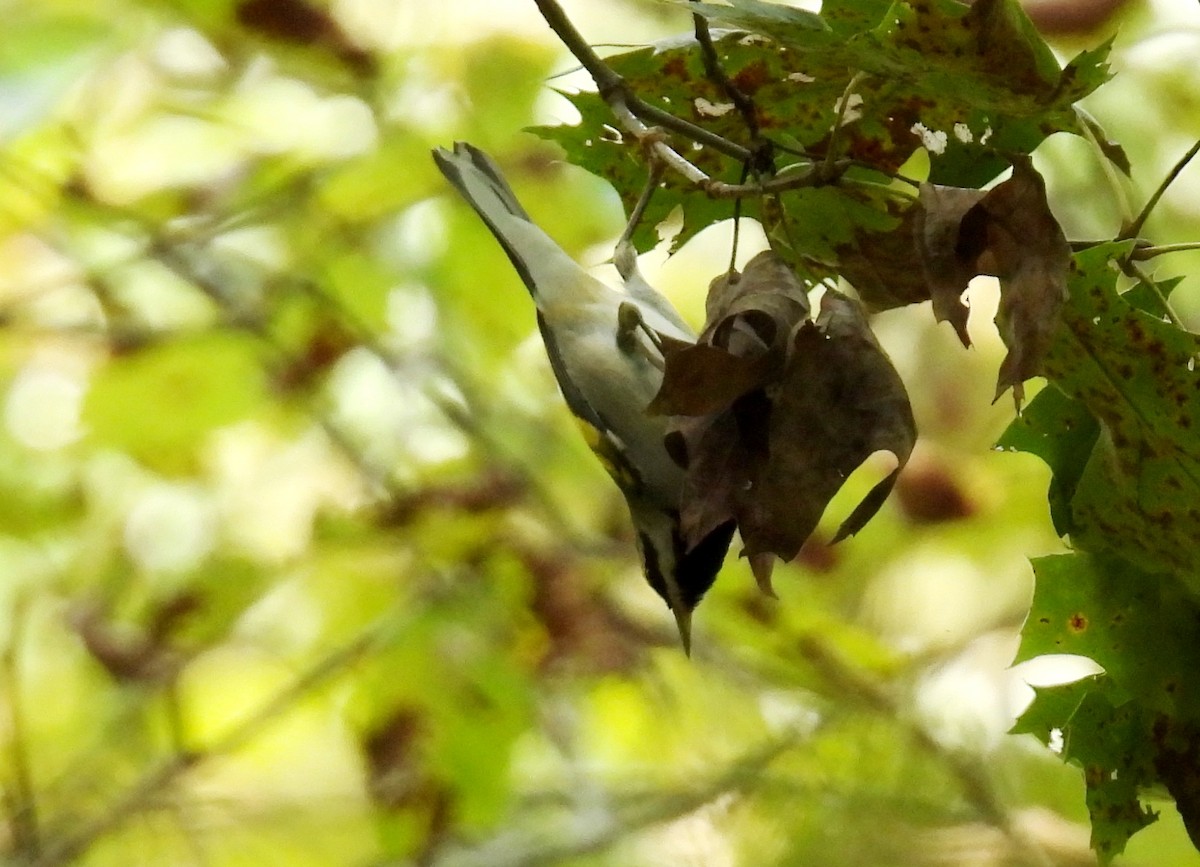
<point x="1149" y="252"/>
<point x="654" y="143"/>
<point x="716" y="72"/>
<point x="530" y="850"/>
<point x="805" y="176"/>
<point x="1134" y="229"/>
<point x="843" y="107"/>
<point x="639" y="209"/>
<point x="626" y="105"/>
<point x="1115" y="184"/>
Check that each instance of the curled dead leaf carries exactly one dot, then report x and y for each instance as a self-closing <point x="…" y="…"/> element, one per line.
<point x="775" y="448"/>
<point x="1019" y="241"/>
<point x="942" y="264"/>
<point x="952" y="234"/>
<point x="750" y="316"/>
<point x="840" y="402"/>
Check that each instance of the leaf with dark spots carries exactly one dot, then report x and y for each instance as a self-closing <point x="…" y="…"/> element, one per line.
<point x="1062" y="432"/>
<point x="757" y="15"/>
<point x="1111" y="739"/>
<point x="979" y="80"/>
<point x="1137" y="376"/>
<point x="1141" y="629"/>
<point x="1152" y="298"/>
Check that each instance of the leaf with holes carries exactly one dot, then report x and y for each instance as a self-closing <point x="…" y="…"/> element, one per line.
<point x="1139" y="627"/>
<point x="1111" y="739"/>
<point x="873" y="82"/>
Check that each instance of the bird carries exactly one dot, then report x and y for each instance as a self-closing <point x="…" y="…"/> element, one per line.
<point x="604" y="350"/>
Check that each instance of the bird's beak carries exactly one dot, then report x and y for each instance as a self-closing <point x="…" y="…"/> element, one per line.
<point x="683" y="619"/>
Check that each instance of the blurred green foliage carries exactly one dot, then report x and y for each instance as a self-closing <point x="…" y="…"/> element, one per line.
<point x="303" y="562"/>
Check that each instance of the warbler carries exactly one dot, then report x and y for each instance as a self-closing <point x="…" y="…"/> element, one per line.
<point x="603" y="351"/>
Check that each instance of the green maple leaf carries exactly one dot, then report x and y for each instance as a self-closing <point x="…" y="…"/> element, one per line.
<point x="1136" y="497"/>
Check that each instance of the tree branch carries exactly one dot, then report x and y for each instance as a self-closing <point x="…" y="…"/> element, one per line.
<point x="141" y="794"/>
<point x="632" y="112"/>
<point x="530" y="849"/>
<point x="20" y="802"/>
<point x="714" y="70"/>
<point x="1150" y="251"/>
<point x="970" y="776"/>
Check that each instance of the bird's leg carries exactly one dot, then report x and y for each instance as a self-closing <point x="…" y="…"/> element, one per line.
<point x="629" y="318"/>
<point x="629" y="323"/>
<point x="639" y="209"/>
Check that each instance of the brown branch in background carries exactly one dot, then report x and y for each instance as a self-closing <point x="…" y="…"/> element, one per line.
<point x="492" y="489"/>
<point x="19" y="801"/>
<point x="138" y="797"/>
<point x="856" y="685"/>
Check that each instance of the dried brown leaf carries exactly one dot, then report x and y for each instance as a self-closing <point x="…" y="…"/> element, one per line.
<point x="699" y="379"/>
<point x="1027" y="250"/>
<point x="840" y="401"/>
<point x="744" y="345"/>
<point x="776" y="455"/>
<point x="762" y="566"/>
<point x="918" y="260"/>
<point x="885" y="268"/>
<point x="945" y="270"/>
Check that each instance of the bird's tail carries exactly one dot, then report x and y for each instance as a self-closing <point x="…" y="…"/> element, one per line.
<point x="478" y="180"/>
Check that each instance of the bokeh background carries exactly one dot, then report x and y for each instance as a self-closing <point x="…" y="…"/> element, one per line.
<point x="303" y="562"/>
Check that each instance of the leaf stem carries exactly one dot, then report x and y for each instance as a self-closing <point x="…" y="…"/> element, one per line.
<point x="1130" y="268"/>
<point x="639" y="209"/>
<point x="842" y="108"/>
<point x="1149" y="252"/>
<point x="1135" y="228"/>
<point x="1091" y="129"/>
